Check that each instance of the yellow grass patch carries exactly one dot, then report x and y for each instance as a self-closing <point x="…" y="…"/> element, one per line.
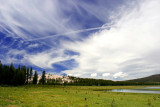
<point x="40" y="91"/>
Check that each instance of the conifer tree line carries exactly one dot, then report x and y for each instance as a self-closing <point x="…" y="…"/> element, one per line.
<point x="9" y="75"/>
<point x="101" y="82"/>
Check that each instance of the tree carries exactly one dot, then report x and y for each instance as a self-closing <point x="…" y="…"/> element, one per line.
<point x="43" y="78"/>
<point x="15" y="78"/>
<point x="23" y="69"/>
<point x="27" y="75"/>
<point x="22" y="77"/>
<point x="35" y="78"/>
<point x="1" y="73"/>
<point x="10" y="73"/>
<point x="30" y="73"/>
<point x="19" y="67"/>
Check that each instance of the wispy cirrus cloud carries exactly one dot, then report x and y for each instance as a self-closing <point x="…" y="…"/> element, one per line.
<point x="37" y="19"/>
<point x="32" y="19"/>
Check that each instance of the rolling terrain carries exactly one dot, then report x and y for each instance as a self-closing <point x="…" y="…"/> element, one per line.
<point x="152" y="78"/>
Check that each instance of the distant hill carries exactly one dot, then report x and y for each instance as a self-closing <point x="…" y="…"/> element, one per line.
<point x="152" y="78"/>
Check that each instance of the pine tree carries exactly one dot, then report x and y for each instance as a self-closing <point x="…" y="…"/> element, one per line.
<point x="30" y="73"/>
<point x="43" y="78"/>
<point x="22" y="76"/>
<point x="19" y="67"/>
<point x="27" y="75"/>
<point x="10" y="73"/>
<point x="15" y="78"/>
<point x="23" y="69"/>
<point x="35" y="78"/>
<point x="0" y="72"/>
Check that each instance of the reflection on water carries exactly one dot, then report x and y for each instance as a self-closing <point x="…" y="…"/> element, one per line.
<point x="137" y="90"/>
<point x="152" y="87"/>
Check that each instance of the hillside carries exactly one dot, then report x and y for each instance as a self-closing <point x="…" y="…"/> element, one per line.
<point x="152" y="78"/>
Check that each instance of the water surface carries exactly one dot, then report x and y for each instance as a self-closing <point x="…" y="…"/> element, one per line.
<point x="144" y="90"/>
<point x="152" y="87"/>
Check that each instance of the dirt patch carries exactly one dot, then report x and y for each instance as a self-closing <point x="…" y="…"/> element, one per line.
<point x="8" y="100"/>
<point x="13" y="106"/>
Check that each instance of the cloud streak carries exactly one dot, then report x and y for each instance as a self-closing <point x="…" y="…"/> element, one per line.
<point x="72" y="32"/>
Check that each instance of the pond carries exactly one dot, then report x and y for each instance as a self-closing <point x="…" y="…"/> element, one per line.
<point x="144" y="90"/>
<point x="152" y="87"/>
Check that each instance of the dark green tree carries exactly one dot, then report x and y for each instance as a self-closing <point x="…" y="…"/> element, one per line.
<point x="15" y="78"/>
<point x="27" y="75"/>
<point x="23" y="69"/>
<point x="9" y="73"/>
<point x="19" y="67"/>
<point x="22" y="77"/>
<point x="1" y="69"/>
<point x="35" y="78"/>
<point x="30" y="73"/>
<point x="43" y="78"/>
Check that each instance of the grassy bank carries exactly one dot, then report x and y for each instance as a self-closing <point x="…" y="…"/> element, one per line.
<point x="74" y="96"/>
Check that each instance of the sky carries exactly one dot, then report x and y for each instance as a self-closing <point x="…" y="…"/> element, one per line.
<point x="102" y="39"/>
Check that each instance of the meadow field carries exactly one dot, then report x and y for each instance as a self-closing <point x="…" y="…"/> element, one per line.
<point x="74" y="96"/>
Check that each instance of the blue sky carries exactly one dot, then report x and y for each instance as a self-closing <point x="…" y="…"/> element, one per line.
<point x="107" y="39"/>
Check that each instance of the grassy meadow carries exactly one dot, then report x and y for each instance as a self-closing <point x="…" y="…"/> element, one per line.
<point x="74" y="96"/>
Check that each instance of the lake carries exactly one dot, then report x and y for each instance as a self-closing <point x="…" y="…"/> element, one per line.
<point x="144" y="90"/>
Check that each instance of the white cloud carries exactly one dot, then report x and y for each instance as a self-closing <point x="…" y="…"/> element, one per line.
<point x="70" y="75"/>
<point x="119" y="75"/>
<point x="46" y="59"/>
<point x="31" y="20"/>
<point x="131" y="45"/>
<point x="12" y="56"/>
<point x="33" y="45"/>
<point x="93" y="74"/>
<point x="106" y="74"/>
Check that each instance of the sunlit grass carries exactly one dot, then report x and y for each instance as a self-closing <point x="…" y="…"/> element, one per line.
<point x="74" y="96"/>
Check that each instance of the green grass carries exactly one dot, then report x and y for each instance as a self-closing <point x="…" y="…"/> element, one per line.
<point x="74" y="96"/>
<point x="155" y="89"/>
